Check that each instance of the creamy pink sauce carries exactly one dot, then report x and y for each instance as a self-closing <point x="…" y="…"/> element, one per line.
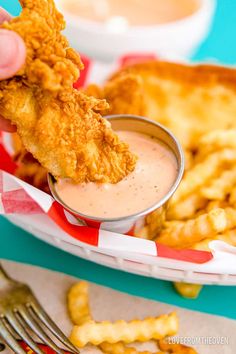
<point x="136" y="12"/>
<point x="154" y="175"/>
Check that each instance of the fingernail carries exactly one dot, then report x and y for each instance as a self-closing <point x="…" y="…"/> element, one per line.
<point x="8" y="48"/>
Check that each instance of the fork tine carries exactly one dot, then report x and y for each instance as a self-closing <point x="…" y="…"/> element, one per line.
<point x="39" y="313"/>
<point x="14" y="322"/>
<point x="9" y="339"/>
<point x="24" y="315"/>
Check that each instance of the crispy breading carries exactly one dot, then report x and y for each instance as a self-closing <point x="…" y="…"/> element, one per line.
<point x="33" y="173"/>
<point x="125" y="95"/>
<point x="189" y="99"/>
<point x="28" y="168"/>
<point x="59" y="125"/>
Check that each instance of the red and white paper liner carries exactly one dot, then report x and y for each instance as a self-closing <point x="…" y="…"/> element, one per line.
<point x="18" y="197"/>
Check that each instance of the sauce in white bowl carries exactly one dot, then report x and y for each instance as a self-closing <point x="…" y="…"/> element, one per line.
<point x="173" y="32"/>
<point x="136" y="12"/>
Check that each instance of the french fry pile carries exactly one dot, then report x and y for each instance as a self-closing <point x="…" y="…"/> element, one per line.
<point x="204" y="207"/>
<point x="112" y="338"/>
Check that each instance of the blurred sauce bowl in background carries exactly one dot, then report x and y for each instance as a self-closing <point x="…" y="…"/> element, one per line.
<point x="107" y="29"/>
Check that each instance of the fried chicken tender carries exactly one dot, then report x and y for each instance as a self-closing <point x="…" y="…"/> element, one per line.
<point x="28" y="169"/>
<point x="59" y="125"/>
<point x="33" y="173"/>
<point x="191" y="100"/>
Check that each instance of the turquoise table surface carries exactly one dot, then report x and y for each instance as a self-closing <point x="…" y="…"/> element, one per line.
<point x="20" y="246"/>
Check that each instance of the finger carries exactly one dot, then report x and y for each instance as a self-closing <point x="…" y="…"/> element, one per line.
<point x="4" y="15"/>
<point x="14" y="52"/>
<point x="6" y="125"/>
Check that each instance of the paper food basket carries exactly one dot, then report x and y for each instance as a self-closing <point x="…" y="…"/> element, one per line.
<point x="38" y="213"/>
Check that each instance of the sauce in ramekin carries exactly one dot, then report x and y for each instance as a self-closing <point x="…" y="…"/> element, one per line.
<point x="153" y="177"/>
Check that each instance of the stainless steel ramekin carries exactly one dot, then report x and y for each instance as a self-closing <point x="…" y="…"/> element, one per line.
<point x="145" y="223"/>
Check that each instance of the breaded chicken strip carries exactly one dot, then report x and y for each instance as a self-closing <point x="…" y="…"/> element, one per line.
<point x="60" y="126"/>
<point x="189" y="99"/>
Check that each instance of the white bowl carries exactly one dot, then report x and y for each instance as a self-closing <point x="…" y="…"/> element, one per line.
<point x="173" y="40"/>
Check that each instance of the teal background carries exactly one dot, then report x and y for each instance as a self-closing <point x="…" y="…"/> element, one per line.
<point x="18" y="245"/>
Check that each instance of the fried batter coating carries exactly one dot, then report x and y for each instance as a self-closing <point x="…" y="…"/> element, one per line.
<point x="28" y="169"/>
<point x="191" y="100"/>
<point x="59" y="125"/>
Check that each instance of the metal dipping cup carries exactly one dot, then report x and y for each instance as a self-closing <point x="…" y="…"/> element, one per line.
<point x="148" y="222"/>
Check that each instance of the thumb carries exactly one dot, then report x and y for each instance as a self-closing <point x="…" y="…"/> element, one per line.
<point x="12" y="53"/>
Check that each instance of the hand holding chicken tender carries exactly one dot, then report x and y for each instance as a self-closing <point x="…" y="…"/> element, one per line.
<point x="56" y="123"/>
<point x="12" y="57"/>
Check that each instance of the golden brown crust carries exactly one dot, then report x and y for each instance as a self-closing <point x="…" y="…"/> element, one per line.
<point x="124" y="94"/>
<point x="59" y="125"/>
<point x="195" y="74"/>
<point x="190" y="100"/>
<point x="28" y="169"/>
<point x="50" y="62"/>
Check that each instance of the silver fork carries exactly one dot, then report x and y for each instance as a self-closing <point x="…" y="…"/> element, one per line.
<point x="22" y="316"/>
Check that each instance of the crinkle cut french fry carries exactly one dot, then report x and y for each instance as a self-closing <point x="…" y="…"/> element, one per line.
<point x="116" y="348"/>
<point x="214" y="141"/>
<point x="152" y="226"/>
<point x="154" y="222"/>
<point x="120" y="348"/>
<point x="228" y="237"/>
<point x="175" y="348"/>
<point x="218" y="139"/>
<point x="78" y="303"/>
<point x="186" y="208"/>
<point x="188" y="156"/>
<point x="232" y="196"/>
<point x="182" y="234"/>
<point x="214" y="204"/>
<point x="142" y="233"/>
<point x="190" y="291"/>
<point x="203" y="172"/>
<point x="221" y="186"/>
<point x="231" y="217"/>
<point x="204" y="244"/>
<point x="127" y="332"/>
